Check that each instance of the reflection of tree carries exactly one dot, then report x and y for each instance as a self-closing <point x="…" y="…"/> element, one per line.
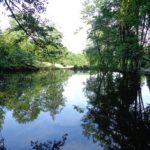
<point x="148" y="81"/>
<point x="116" y="116"/>
<point x="2" y="115"/>
<point x="49" y="145"/>
<point x="2" y="144"/>
<point x="28" y="94"/>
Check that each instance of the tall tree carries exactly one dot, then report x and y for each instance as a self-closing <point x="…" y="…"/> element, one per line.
<point x="119" y="31"/>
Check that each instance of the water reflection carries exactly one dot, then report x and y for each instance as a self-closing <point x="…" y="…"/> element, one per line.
<point x="2" y="143"/>
<point x="28" y="94"/>
<point x="116" y="116"/>
<point x="148" y="81"/>
<point x="36" y="145"/>
<point x="49" y="145"/>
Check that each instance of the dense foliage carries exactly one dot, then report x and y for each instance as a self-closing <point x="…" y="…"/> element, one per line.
<point x="119" y="33"/>
<point x="78" y="59"/>
<point x="19" y="51"/>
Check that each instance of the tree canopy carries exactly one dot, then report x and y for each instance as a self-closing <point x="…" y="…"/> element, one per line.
<point x="119" y="32"/>
<point x="27" y="10"/>
<point x="19" y="51"/>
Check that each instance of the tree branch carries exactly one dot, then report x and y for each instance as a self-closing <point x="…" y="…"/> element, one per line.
<point x="20" y="25"/>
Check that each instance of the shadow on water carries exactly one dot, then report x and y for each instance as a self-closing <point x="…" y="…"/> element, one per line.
<point x="116" y="116"/>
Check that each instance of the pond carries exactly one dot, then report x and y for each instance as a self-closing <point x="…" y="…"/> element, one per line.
<point x="74" y="111"/>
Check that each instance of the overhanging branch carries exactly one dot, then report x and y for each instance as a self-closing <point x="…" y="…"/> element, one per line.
<point x="20" y="25"/>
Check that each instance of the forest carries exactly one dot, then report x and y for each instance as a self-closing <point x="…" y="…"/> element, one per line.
<point x="119" y="32"/>
<point x="118" y="36"/>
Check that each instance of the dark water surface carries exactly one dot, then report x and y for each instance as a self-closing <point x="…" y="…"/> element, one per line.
<point x="74" y="111"/>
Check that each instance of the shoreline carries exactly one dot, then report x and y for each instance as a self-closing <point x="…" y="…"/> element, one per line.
<point x="37" y="65"/>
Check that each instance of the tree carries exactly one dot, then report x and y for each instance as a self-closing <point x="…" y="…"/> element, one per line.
<point x="29" y="15"/>
<point x="25" y="7"/>
<point x="119" y="31"/>
<point x="19" y="51"/>
<point x="15" y="50"/>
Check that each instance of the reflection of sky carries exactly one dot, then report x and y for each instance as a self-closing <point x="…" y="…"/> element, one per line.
<point x="74" y="90"/>
<point x="145" y="93"/>
<point x="18" y="136"/>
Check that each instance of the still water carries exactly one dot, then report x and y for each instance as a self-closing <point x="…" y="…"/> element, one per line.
<point x="74" y="111"/>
